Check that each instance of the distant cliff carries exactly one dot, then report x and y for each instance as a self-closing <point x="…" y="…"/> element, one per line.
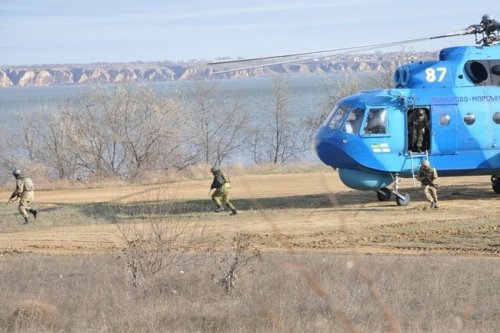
<point x="48" y="75"/>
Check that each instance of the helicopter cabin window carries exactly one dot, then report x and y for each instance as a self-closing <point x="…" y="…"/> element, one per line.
<point x="469" y="118"/>
<point x="419" y="130"/>
<point x="338" y="116"/>
<point x="496" y="118"/>
<point x="353" y="122"/>
<point x="376" y="122"/>
<point x="444" y="120"/>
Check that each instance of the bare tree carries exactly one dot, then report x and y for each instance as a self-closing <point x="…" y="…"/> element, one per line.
<point x="56" y="148"/>
<point x="215" y="126"/>
<point x="280" y="137"/>
<point x="145" y="124"/>
<point x="90" y="142"/>
<point x="124" y="130"/>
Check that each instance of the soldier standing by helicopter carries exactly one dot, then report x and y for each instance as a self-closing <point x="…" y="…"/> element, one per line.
<point x="428" y="176"/>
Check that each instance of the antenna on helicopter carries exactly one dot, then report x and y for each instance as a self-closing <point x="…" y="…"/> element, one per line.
<point x="487" y="33"/>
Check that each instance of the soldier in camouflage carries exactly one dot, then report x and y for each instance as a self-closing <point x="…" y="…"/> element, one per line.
<point x="25" y="191"/>
<point x="222" y="187"/>
<point x="428" y="176"/>
<point x="420" y="126"/>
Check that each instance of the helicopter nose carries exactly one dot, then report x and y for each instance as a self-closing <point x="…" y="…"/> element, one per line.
<point x="329" y="150"/>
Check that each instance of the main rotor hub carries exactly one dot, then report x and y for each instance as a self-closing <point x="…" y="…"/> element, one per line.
<point x="487" y="32"/>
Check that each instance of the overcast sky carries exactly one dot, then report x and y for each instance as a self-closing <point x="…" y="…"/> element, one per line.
<point x="86" y="31"/>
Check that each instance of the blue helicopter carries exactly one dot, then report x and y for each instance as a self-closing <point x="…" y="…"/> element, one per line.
<point x="369" y="137"/>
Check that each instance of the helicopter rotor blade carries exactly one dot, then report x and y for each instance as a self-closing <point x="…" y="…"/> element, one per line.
<point x="295" y="60"/>
<point x="299" y="57"/>
<point x="385" y="44"/>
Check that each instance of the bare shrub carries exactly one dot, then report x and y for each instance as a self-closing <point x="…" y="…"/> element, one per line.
<point x="32" y="315"/>
<point x="158" y="242"/>
<point x="235" y="262"/>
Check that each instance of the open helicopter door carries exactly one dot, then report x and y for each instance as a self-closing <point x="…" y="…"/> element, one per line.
<point x="444" y="135"/>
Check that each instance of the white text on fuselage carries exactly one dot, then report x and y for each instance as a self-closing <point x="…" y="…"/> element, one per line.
<point x="464" y="99"/>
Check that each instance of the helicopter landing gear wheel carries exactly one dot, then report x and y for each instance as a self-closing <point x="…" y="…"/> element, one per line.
<point x="384" y="194"/>
<point x="403" y="199"/>
<point x="495" y="184"/>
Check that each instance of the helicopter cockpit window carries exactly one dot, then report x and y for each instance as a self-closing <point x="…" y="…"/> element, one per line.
<point x="469" y="118"/>
<point x="376" y="122"/>
<point x="353" y="122"/>
<point x="338" y="117"/>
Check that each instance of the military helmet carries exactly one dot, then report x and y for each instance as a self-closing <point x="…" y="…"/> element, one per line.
<point x="214" y="169"/>
<point x="16" y="172"/>
<point x="425" y="163"/>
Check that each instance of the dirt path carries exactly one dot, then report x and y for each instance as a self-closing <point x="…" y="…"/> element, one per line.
<point x="310" y="211"/>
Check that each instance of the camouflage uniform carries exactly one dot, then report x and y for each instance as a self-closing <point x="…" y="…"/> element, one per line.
<point x="221" y="194"/>
<point x="420" y="125"/>
<point x="428" y="176"/>
<point x="25" y="191"/>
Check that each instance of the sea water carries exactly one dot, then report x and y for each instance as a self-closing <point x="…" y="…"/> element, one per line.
<point x="306" y="94"/>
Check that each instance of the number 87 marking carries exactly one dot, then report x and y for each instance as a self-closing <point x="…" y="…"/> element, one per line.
<point x="430" y="74"/>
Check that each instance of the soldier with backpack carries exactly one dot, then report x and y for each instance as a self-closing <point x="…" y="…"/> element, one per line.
<point x="222" y="187"/>
<point x="25" y="191"/>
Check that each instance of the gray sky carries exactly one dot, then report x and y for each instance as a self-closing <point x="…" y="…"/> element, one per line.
<point x="85" y="31"/>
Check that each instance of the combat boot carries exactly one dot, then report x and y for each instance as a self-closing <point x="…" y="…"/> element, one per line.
<point x="219" y="209"/>
<point x="25" y="220"/>
<point x="432" y="204"/>
<point x="233" y="212"/>
<point x="34" y="212"/>
<point x="436" y="204"/>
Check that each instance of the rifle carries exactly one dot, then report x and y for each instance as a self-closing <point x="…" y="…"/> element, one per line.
<point x="10" y="199"/>
<point x="430" y="182"/>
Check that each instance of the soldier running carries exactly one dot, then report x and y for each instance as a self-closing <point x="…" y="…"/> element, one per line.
<point x="25" y="191"/>
<point x="221" y="193"/>
<point x="428" y="176"/>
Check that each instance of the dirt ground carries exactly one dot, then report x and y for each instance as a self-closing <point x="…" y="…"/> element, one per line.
<point x="295" y="212"/>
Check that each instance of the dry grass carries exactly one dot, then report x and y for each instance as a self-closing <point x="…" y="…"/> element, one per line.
<point x="30" y="314"/>
<point x="286" y="292"/>
<point x="338" y="287"/>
